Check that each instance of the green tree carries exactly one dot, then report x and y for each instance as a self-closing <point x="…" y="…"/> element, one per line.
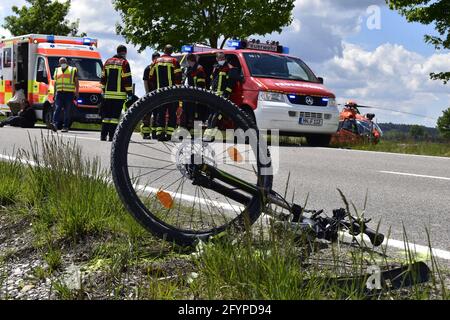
<point x="42" y="17"/>
<point x="416" y="132"/>
<point x="160" y="22"/>
<point x="443" y="124"/>
<point x="427" y="12"/>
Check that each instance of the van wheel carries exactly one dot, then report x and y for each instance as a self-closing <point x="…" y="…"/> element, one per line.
<point x="319" y="140"/>
<point x="250" y="115"/>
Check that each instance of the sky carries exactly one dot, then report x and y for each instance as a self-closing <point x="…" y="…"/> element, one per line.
<point x="363" y="50"/>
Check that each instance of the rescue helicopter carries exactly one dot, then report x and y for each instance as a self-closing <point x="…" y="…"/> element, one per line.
<point x="357" y="128"/>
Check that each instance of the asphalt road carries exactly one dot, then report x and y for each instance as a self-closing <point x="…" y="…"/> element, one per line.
<point x="413" y="191"/>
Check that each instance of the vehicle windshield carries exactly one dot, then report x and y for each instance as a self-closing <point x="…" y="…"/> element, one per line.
<point x="88" y="69"/>
<point x="266" y="65"/>
<point x="364" y="127"/>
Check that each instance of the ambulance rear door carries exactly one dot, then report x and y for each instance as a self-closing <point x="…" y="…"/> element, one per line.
<point x="6" y="74"/>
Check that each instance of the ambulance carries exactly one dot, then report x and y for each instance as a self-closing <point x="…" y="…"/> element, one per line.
<point x="279" y="91"/>
<point x="28" y="62"/>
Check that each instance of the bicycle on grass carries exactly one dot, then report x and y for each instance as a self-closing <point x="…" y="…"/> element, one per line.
<point x="192" y="188"/>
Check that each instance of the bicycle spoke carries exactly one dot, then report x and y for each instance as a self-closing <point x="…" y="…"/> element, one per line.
<point x="152" y="148"/>
<point x="154" y="170"/>
<point x="147" y="157"/>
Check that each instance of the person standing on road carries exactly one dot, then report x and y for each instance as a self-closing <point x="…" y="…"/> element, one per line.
<point x="117" y="88"/>
<point x="166" y="72"/>
<point x="223" y="79"/>
<point x="148" y="123"/>
<point x="66" y="90"/>
<point x="195" y="77"/>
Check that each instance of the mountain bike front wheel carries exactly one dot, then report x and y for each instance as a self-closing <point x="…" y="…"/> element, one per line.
<point x="180" y="185"/>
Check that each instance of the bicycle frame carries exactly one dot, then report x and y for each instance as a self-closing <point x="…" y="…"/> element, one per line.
<point x="204" y="175"/>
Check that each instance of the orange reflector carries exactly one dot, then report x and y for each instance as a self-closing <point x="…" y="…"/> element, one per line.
<point x="234" y="154"/>
<point x="165" y="199"/>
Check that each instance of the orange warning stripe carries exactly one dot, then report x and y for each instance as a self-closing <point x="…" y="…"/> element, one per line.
<point x="69" y="53"/>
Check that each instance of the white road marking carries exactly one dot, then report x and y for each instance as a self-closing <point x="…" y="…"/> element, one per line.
<point x="78" y="137"/>
<point x="387" y="153"/>
<point x="407" y="246"/>
<point x="439" y="253"/>
<point x="415" y="175"/>
<point x="22" y="161"/>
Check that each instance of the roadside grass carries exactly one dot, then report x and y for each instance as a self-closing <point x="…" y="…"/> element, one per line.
<point x="72" y="206"/>
<point x="410" y="147"/>
<point x="11" y="183"/>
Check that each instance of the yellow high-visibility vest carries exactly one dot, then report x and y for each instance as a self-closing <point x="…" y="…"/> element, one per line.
<point x="65" y="80"/>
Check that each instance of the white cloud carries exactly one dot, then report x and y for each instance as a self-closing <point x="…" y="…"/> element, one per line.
<point x="95" y="16"/>
<point x="390" y="77"/>
<point x="324" y="25"/>
<point x="98" y="19"/>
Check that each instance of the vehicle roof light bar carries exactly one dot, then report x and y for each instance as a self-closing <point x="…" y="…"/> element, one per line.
<point x="253" y="44"/>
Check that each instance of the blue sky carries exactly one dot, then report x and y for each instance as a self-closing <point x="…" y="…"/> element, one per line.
<point x="395" y="29"/>
<point x="388" y="67"/>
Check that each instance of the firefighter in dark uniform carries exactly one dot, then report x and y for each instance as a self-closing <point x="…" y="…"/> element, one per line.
<point x="223" y="80"/>
<point x="166" y="72"/>
<point x="117" y="88"/>
<point x="148" y="128"/>
<point x="195" y="77"/>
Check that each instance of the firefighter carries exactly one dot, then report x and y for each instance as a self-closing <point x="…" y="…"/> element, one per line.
<point x="66" y="90"/>
<point x="117" y="88"/>
<point x="148" y="124"/>
<point x="223" y="80"/>
<point x="166" y="72"/>
<point x="195" y="77"/>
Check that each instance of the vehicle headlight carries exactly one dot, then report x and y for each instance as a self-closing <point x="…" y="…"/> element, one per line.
<point x="332" y="102"/>
<point x="271" y="96"/>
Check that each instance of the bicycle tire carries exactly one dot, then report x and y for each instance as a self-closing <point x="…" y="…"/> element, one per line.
<point x="124" y="185"/>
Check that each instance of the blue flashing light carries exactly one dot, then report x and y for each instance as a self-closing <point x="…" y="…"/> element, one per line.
<point x="292" y="96"/>
<point x="51" y="39"/>
<point x="285" y="50"/>
<point x="80" y="101"/>
<point x="325" y="99"/>
<point x="187" y="49"/>
<point x="87" y="41"/>
<point x="236" y="44"/>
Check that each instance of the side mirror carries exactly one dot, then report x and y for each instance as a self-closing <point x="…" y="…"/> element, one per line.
<point x="320" y="80"/>
<point x="41" y="77"/>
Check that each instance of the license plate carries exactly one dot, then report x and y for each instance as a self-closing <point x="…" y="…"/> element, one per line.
<point x="92" y="116"/>
<point x="310" y="122"/>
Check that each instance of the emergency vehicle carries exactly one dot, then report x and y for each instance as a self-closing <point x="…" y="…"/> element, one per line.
<point x="277" y="90"/>
<point x="30" y="61"/>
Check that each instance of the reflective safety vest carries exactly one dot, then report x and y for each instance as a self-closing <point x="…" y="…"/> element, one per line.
<point x="65" y="80"/>
<point x="196" y="76"/>
<point x="221" y="82"/>
<point x="116" y="79"/>
<point x="165" y="72"/>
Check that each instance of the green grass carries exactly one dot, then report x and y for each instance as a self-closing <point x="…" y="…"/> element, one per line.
<point x="411" y="147"/>
<point x="71" y="206"/>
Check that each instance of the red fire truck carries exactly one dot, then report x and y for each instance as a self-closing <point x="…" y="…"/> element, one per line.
<point x="277" y="90"/>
